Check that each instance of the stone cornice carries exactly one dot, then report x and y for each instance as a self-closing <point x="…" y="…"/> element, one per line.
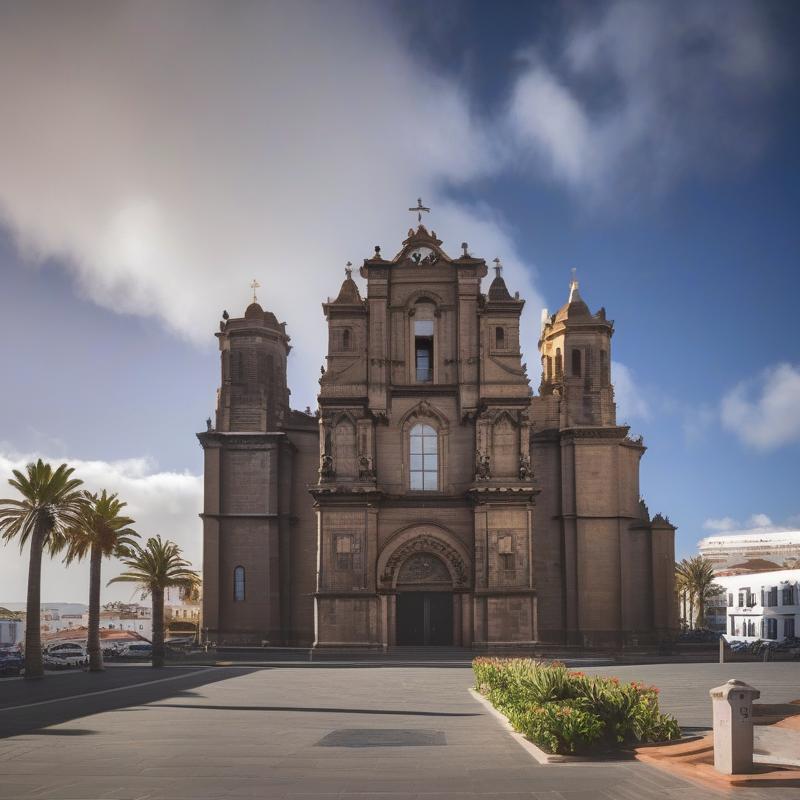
<point x="616" y="432"/>
<point x="241" y="439"/>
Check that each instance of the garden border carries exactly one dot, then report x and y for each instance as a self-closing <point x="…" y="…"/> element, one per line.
<point x="536" y="752"/>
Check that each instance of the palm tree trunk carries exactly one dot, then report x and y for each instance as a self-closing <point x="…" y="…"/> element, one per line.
<point x="691" y="610"/>
<point x="93" y="643"/>
<point x="34" y="669"/>
<point x="158" y="627"/>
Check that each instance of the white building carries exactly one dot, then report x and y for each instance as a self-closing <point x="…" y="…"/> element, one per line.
<point x="131" y="617"/>
<point x="12" y="631"/>
<point x="752" y="550"/>
<point x="762" y="605"/>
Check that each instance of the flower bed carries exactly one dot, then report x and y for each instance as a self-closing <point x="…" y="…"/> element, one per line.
<point x="569" y="712"/>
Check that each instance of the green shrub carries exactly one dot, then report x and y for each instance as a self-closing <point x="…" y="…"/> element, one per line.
<point x="569" y="712"/>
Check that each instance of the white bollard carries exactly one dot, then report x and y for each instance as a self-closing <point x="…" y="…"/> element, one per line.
<point x="732" y="705"/>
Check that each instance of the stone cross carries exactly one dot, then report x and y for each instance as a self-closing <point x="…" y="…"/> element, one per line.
<point x="348" y="270"/>
<point x="419" y="209"/>
<point x="498" y="267"/>
<point x="255" y="285"/>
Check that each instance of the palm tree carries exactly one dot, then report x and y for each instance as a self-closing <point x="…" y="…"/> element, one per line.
<point x="683" y="585"/>
<point x="102" y="532"/>
<point x="51" y="505"/>
<point x="155" y="567"/>
<point x="701" y="579"/>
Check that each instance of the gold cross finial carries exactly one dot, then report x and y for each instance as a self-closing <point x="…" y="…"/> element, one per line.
<point x="255" y="285"/>
<point x="419" y="209"/>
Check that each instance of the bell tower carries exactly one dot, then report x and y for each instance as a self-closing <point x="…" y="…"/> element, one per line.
<point x="253" y="394"/>
<point x="575" y="346"/>
<point x="249" y="475"/>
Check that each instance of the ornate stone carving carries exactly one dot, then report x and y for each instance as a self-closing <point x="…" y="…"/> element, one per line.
<point x="482" y="466"/>
<point x="423" y="568"/>
<point x="366" y="472"/>
<point x="524" y="467"/>
<point x="430" y="545"/>
<point x="326" y="469"/>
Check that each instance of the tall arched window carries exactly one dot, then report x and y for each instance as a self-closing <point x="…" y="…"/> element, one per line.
<point x="424" y="458"/>
<point x="576" y="362"/>
<point x="423" y="342"/>
<point x="559" y="365"/>
<point x="499" y="338"/>
<point x="346" y="339"/>
<point x="238" y="584"/>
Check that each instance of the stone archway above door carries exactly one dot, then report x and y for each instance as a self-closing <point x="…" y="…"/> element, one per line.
<point x="420" y="540"/>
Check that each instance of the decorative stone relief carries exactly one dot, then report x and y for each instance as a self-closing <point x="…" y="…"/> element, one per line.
<point x="432" y="546"/>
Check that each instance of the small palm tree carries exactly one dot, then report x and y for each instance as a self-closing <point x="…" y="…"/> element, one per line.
<point x="102" y="532"/>
<point x="682" y="581"/>
<point x="155" y="567"/>
<point x="701" y="580"/>
<point x="51" y="505"/>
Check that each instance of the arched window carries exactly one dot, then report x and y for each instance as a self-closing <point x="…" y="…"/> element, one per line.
<point x="576" y="362"/>
<point x="559" y="364"/>
<point x="346" y="339"/>
<point x="238" y="584"/>
<point x="499" y="338"/>
<point x="424" y="458"/>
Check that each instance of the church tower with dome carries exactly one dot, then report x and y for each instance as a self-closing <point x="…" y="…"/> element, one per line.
<point x="432" y="499"/>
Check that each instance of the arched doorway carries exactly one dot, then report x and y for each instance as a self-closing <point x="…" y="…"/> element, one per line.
<point x="424" y="602"/>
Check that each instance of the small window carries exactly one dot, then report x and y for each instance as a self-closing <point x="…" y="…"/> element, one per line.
<point x="423" y="350"/>
<point x="788" y="628"/>
<point x="559" y="364"/>
<point x="787" y="598"/>
<point x="500" y="338"/>
<point x="730" y="598"/>
<point x="772" y="628"/>
<point x="772" y="597"/>
<point x="346" y="339"/>
<point x="424" y="458"/>
<point x="238" y="584"/>
<point x="506" y="560"/>
<point x="576" y="363"/>
<point x="344" y="552"/>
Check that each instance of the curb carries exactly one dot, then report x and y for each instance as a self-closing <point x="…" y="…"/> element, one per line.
<point x="536" y="752"/>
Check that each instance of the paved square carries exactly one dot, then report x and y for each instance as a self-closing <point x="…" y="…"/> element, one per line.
<point x="254" y="733"/>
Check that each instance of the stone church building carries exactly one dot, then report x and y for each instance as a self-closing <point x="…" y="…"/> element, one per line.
<point x="433" y="499"/>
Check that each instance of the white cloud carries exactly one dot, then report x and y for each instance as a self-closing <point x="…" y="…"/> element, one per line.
<point x="765" y="412"/>
<point x="170" y="153"/>
<point x="630" y="400"/>
<point x="721" y="524"/>
<point x="755" y="523"/>
<point x="642" y="93"/>
<point x="165" y="503"/>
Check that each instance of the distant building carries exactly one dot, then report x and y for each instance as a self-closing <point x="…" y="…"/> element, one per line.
<point x="762" y="605"/>
<point x="130" y="617"/>
<point x="752" y="551"/>
<point x="12" y="630"/>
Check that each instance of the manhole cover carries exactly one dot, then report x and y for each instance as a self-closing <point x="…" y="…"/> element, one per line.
<point x="382" y="737"/>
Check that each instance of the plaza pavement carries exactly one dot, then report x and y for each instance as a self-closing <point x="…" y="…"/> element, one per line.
<point x="387" y="734"/>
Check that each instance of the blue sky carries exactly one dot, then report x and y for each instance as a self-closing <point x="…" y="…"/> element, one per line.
<point x="149" y="172"/>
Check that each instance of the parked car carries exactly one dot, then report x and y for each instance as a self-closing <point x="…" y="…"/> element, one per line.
<point x="66" y="655"/>
<point x="136" y="650"/>
<point x="12" y="661"/>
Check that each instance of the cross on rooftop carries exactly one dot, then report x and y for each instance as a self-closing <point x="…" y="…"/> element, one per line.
<point x="498" y="267"/>
<point x="419" y="209"/>
<point x="348" y="270"/>
<point x="255" y="285"/>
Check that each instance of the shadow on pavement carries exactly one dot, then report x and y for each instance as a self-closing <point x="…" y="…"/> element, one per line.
<point x="324" y="710"/>
<point x="63" y="699"/>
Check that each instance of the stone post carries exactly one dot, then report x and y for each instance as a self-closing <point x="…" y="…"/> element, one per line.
<point x="732" y="705"/>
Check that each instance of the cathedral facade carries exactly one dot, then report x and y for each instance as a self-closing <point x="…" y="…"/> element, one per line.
<point x="433" y="498"/>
